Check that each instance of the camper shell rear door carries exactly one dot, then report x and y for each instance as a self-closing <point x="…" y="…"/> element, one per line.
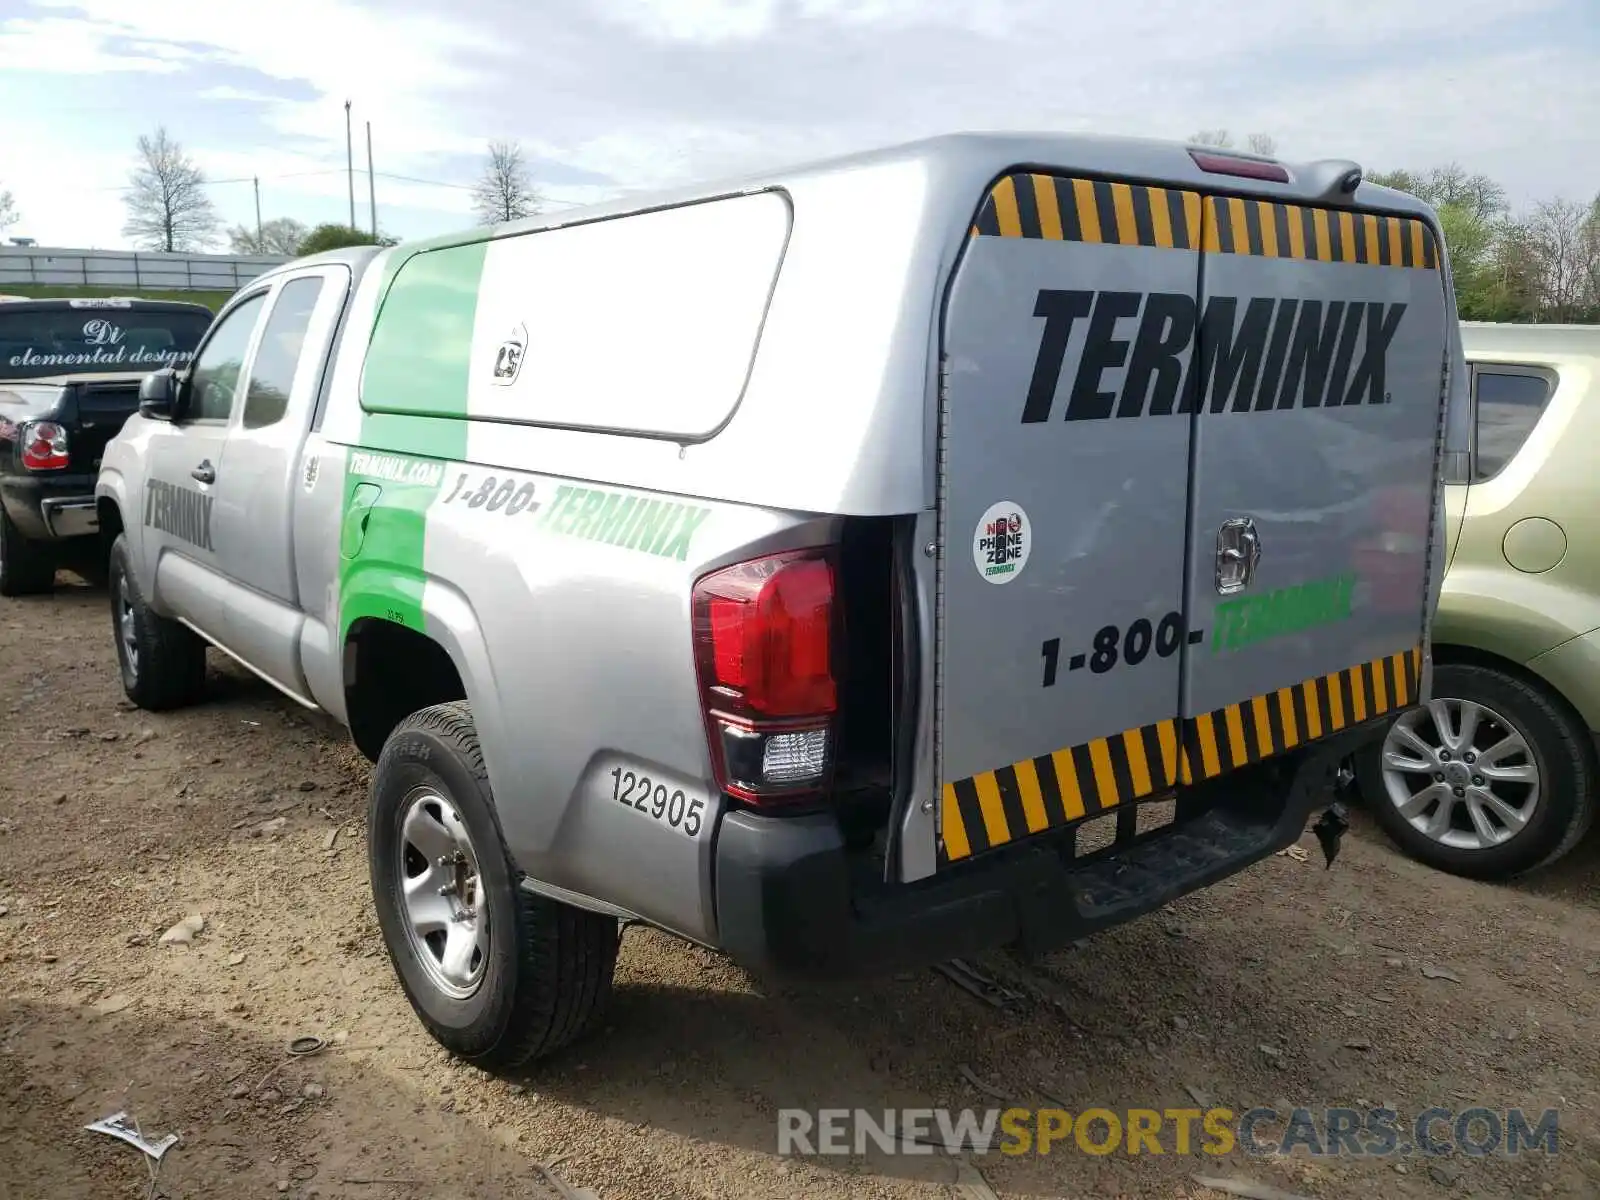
<point x="1063" y="498"/>
<point x="1162" y="545"/>
<point x="1322" y="349"/>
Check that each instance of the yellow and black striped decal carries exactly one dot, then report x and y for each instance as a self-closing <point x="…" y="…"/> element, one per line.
<point x="1084" y="210"/>
<point x="993" y="808"/>
<point x="1268" y="230"/>
<point x="1056" y="208"/>
<point x="1231" y="737"/>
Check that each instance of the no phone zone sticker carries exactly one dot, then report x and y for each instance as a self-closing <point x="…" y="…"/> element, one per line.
<point x="1001" y="543"/>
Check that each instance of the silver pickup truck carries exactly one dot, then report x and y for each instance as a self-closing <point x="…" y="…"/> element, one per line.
<point x="983" y="541"/>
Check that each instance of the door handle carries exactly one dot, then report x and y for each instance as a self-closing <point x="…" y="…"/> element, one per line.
<point x="1238" y="553"/>
<point x="205" y="472"/>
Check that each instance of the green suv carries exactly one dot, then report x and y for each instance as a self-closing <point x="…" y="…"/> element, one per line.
<point x="1498" y="774"/>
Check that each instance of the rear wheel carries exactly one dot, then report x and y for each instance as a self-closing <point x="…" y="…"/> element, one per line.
<point x="163" y="663"/>
<point x="1489" y="780"/>
<point x="497" y="975"/>
<point x="27" y="568"/>
<point x="86" y="558"/>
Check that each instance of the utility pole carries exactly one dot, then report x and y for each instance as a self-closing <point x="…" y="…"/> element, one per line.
<point x="372" y="187"/>
<point x="350" y="163"/>
<point x="257" y="181"/>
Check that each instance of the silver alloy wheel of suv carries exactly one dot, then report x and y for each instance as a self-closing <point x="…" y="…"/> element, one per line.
<point x="1494" y="777"/>
<point x="1461" y="773"/>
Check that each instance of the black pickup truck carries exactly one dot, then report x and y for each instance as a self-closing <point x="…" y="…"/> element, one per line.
<point x="69" y="378"/>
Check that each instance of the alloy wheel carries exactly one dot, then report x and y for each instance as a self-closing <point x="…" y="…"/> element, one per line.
<point x="442" y="901"/>
<point x="127" y="627"/>
<point x="1461" y="774"/>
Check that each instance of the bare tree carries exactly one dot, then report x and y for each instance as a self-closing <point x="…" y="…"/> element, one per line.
<point x="1479" y="194"/>
<point x="505" y="191"/>
<point x="1450" y="186"/>
<point x="168" y="208"/>
<point x="8" y="209"/>
<point x="1399" y="179"/>
<point x="1591" y="253"/>
<point x="1263" y="144"/>
<point x="281" y="235"/>
<point x="1561" y="240"/>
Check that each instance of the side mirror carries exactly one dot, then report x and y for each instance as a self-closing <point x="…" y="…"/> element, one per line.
<point x="158" y="395"/>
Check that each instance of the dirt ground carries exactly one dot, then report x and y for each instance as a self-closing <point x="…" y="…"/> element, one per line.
<point x="1286" y="986"/>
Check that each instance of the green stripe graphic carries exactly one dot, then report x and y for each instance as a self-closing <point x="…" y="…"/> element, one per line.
<point x="417" y="363"/>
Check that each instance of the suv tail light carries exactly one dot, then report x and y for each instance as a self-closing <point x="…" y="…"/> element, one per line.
<point x="767" y="641"/>
<point x="44" y="446"/>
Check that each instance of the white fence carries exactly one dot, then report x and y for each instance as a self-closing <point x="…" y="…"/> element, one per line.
<point x="127" y="269"/>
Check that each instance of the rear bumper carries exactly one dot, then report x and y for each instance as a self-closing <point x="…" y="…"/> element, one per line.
<point x="71" y="516"/>
<point x="786" y="902"/>
<point x="50" y="507"/>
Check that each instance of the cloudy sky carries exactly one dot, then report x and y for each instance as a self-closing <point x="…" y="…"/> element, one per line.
<point x="613" y="95"/>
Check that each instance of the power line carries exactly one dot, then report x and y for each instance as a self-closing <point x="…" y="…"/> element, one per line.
<point x="128" y="187"/>
<point x="465" y="187"/>
<point x="252" y="179"/>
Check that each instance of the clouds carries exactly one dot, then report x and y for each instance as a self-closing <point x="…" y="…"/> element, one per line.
<point x="615" y="94"/>
<point x="58" y="45"/>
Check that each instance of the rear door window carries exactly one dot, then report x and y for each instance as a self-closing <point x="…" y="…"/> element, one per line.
<point x="1507" y="403"/>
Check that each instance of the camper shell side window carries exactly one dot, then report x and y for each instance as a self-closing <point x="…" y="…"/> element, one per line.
<point x="643" y="324"/>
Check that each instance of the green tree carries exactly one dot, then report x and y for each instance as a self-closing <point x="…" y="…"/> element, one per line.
<point x="1485" y="253"/>
<point x="1400" y="180"/>
<point x="8" y="209"/>
<point x="333" y="236"/>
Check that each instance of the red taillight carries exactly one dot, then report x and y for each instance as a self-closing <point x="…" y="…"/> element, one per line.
<point x="44" y="446"/>
<point x="770" y="625"/>
<point x="766" y="639"/>
<point x="1247" y="168"/>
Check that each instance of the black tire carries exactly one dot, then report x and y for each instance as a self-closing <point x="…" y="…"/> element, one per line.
<point x="546" y="977"/>
<point x="27" y="568"/>
<point x="1562" y="750"/>
<point x="169" y="668"/>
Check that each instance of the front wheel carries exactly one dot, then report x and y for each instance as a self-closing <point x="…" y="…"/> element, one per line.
<point x="497" y="975"/>
<point x="1490" y="779"/>
<point x="163" y="662"/>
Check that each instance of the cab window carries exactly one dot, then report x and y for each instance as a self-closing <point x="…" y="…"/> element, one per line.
<point x="1506" y="404"/>
<point x="278" y="356"/>
<point x="214" y="377"/>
